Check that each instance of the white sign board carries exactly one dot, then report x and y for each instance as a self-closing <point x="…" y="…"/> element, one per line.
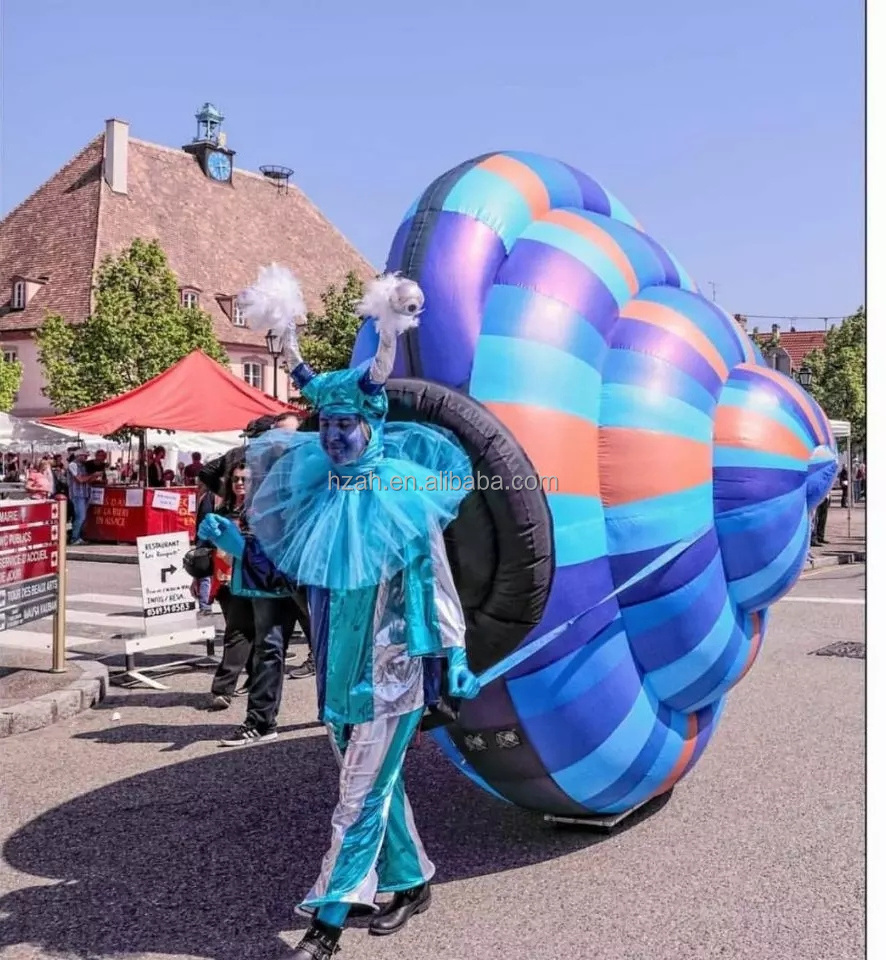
<point x="165" y="500"/>
<point x="166" y="587"/>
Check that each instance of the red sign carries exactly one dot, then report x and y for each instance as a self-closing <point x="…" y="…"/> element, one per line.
<point x="34" y="511"/>
<point x="22" y="537"/>
<point x="28" y="564"/>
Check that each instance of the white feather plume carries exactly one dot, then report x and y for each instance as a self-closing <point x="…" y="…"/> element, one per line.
<point x="387" y="300"/>
<point x="274" y="302"/>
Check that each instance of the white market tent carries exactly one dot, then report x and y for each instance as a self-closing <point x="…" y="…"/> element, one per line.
<point x="840" y="429"/>
<point x="26" y="436"/>
<point x="18" y="434"/>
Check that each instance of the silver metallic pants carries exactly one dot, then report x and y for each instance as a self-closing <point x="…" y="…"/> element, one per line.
<point x="375" y="845"/>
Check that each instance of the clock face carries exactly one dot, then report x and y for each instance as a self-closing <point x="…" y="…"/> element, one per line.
<point x="219" y="166"/>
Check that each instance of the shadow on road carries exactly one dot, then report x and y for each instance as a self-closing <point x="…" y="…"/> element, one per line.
<point x="207" y="857"/>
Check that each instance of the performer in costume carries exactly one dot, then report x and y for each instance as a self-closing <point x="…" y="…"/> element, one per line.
<point x="356" y="513"/>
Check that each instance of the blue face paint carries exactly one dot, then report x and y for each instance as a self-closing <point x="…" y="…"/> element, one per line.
<point x="342" y="437"/>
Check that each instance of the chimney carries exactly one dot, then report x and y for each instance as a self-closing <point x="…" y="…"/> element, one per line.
<point x="116" y="161"/>
<point x="741" y="320"/>
<point x="775" y="331"/>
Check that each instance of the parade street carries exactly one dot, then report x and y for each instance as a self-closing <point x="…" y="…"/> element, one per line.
<point x="127" y="831"/>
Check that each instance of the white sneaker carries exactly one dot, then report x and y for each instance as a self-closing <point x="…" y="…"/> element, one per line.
<point x="246" y="735"/>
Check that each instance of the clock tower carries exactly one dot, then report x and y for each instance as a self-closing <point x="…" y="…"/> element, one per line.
<point x="209" y="146"/>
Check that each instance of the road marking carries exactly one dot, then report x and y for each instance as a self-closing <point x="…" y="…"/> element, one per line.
<point x="111" y="599"/>
<point x="844" y="600"/>
<point x="133" y="624"/>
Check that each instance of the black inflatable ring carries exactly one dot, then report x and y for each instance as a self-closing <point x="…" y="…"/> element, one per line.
<point x="500" y="546"/>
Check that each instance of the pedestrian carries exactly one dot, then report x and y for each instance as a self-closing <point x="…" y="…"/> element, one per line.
<point x="40" y="482"/>
<point x="821" y="521"/>
<point x="155" y="467"/>
<point x="274" y="615"/>
<point x="78" y="492"/>
<point x="239" y="637"/>
<point x="860" y="476"/>
<point x="192" y="471"/>
<point x="844" y="486"/>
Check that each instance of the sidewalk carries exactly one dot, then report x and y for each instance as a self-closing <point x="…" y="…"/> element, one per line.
<point x="31" y="697"/>
<point x="105" y="553"/>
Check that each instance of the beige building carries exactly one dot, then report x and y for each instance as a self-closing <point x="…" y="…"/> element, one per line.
<point x="217" y="224"/>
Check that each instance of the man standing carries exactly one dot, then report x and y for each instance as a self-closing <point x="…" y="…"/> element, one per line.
<point x="97" y="468"/>
<point x="78" y="493"/>
<point x="192" y="470"/>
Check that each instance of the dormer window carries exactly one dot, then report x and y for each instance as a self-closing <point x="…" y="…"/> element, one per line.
<point x="190" y="298"/>
<point x="24" y="289"/>
<point x="231" y="309"/>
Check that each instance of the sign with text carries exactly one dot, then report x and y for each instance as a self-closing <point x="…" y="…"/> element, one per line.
<point x="166" y="586"/>
<point x="31" y="512"/>
<point x="14" y="617"/>
<point x="29" y="562"/>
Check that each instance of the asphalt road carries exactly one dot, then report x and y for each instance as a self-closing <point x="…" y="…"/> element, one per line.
<point x="139" y="837"/>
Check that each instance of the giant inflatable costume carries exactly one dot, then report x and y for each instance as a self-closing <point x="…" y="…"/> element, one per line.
<point x="356" y="513"/>
<point x="675" y="473"/>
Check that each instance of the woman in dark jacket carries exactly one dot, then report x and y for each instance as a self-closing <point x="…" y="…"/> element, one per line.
<point x="239" y="636"/>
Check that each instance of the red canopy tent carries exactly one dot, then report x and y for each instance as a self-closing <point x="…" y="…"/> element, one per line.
<point x="196" y="394"/>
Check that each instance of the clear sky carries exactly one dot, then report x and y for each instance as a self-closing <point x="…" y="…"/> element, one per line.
<point x="733" y="131"/>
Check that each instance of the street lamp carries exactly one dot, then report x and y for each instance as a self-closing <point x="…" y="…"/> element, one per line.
<point x="805" y="377"/>
<point x="274" y="343"/>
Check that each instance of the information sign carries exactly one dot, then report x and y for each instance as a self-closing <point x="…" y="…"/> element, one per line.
<point x="30" y="535"/>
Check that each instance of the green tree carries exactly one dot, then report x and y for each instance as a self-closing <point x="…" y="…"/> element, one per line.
<point x="839" y="373"/>
<point x="328" y="339"/>
<point x="10" y="381"/>
<point x="137" y="330"/>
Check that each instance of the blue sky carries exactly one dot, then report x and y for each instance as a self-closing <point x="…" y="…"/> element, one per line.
<point x="733" y="131"/>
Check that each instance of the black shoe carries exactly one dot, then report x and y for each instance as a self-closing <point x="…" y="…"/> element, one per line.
<point x="246" y="735"/>
<point x="394" y="915"/>
<point x="220" y="701"/>
<point x="319" y="943"/>
<point x="306" y="669"/>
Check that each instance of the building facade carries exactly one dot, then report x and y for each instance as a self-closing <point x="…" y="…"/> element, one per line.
<point x="216" y="223"/>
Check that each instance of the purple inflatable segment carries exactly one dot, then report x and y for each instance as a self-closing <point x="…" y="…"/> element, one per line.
<point x="457" y="271"/>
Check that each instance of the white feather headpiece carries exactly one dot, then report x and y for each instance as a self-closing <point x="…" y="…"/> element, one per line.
<point x="275" y="302"/>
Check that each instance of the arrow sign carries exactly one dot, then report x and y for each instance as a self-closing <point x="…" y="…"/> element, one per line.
<point x="167" y="571"/>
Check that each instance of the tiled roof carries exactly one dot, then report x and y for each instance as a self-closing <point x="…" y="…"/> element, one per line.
<point x="52" y="233"/>
<point x="216" y="236"/>
<point x="798" y="344"/>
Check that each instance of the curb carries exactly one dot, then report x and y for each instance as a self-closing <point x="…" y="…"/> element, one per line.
<point x="837" y="559"/>
<point x="91" y="556"/>
<point x="88" y="690"/>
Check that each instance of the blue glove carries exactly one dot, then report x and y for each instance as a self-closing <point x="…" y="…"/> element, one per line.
<point x="224" y="533"/>
<point x="462" y="682"/>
